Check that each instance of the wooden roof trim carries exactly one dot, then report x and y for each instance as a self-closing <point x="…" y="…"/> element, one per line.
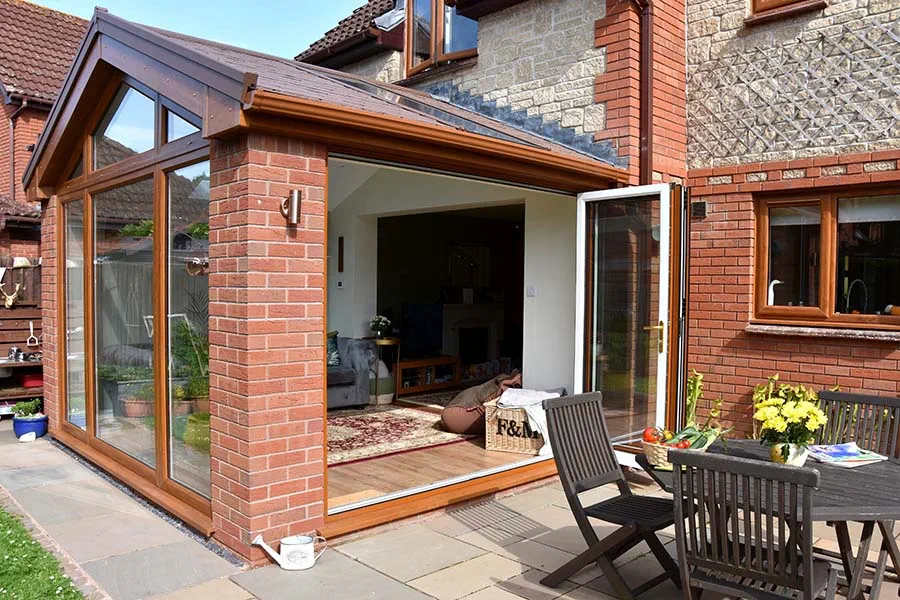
<point x="283" y="105"/>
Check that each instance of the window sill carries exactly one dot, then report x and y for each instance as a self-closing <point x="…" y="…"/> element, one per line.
<point x="871" y="335"/>
<point x="441" y="69"/>
<point x="784" y="12"/>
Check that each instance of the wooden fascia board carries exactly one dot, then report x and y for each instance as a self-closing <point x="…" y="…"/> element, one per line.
<point x="582" y="174"/>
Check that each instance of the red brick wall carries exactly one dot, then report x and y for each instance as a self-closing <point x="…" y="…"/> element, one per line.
<point x="721" y="288"/>
<point x="267" y="294"/>
<point x="619" y="87"/>
<point x="29" y="124"/>
<point x="48" y="310"/>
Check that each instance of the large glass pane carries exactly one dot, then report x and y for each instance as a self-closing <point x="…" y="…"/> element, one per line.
<point x="460" y="33"/>
<point x="624" y="311"/>
<point x="794" y="234"/>
<point x="868" y="256"/>
<point x="422" y="31"/>
<point x="123" y="291"/>
<point x="188" y="242"/>
<point x="127" y="128"/>
<point x="74" y="219"/>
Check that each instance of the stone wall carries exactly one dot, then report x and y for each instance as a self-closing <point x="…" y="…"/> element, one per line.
<point x="385" y="66"/>
<point x="823" y="83"/>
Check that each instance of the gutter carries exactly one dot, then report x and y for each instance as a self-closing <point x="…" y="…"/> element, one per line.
<point x="372" y="33"/>
<point x="12" y="149"/>
<point x="646" y="91"/>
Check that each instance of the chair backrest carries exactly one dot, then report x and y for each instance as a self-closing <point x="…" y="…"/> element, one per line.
<point x="581" y="445"/>
<point x="873" y="422"/>
<point x="746" y="518"/>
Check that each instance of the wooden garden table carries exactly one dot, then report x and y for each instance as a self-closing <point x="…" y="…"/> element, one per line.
<point x="868" y="494"/>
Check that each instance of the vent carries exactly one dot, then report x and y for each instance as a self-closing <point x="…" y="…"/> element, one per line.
<point x="698" y="210"/>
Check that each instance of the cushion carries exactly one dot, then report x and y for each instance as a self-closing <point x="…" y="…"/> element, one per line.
<point x="458" y="419"/>
<point x="331" y="349"/>
<point x="340" y="376"/>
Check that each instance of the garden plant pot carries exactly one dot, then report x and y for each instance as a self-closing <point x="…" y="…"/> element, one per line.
<point x="135" y="407"/>
<point x="201" y="404"/>
<point x="182" y="407"/>
<point x="796" y="455"/>
<point x="23" y="425"/>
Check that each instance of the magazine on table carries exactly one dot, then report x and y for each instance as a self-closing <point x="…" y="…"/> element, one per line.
<point x="844" y="455"/>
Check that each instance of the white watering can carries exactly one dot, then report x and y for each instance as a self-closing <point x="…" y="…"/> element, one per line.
<point x="297" y="551"/>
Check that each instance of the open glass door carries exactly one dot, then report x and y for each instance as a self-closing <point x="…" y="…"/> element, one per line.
<point x="629" y="314"/>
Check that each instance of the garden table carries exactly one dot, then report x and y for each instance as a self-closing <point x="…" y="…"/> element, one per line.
<point x="868" y="494"/>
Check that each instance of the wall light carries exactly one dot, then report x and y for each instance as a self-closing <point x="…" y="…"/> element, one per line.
<point x="290" y="207"/>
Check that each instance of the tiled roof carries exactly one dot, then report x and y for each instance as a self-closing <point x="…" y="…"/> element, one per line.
<point x="359" y="20"/>
<point x="37" y="45"/>
<point x="11" y="208"/>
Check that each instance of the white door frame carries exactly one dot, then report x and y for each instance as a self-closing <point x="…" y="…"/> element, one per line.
<point x="663" y="190"/>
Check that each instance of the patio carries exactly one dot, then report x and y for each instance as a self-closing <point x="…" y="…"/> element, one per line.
<point x="495" y="549"/>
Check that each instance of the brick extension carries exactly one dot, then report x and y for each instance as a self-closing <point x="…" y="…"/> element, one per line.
<point x="28" y="126"/>
<point x="721" y="288"/>
<point x="266" y="306"/>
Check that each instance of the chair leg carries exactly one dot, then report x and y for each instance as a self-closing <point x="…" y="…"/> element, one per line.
<point x="615" y="580"/>
<point x="831" y="589"/>
<point x="889" y="543"/>
<point x="663" y="558"/>
<point x="593" y="554"/>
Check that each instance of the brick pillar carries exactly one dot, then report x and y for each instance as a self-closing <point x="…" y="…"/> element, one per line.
<point x="669" y="91"/>
<point x="266" y="331"/>
<point x="49" y="324"/>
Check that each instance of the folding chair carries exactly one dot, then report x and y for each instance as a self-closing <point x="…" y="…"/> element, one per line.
<point x="586" y="460"/>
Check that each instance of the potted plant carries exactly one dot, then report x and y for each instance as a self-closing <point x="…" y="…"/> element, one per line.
<point x="380" y="325"/>
<point x="118" y="383"/>
<point x="788" y="417"/>
<point x="191" y="353"/>
<point x="28" y="418"/>
<point x="139" y="404"/>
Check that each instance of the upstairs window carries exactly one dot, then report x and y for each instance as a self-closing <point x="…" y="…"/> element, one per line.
<point x="829" y="259"/>
<point x="436" y="33"/>
<point x="126" y="129"/>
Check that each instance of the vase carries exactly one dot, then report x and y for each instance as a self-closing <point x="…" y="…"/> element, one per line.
<point x="796" y="454"/>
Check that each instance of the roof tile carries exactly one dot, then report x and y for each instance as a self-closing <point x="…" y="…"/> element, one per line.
<point x="358" y="21"/>
<point x="38" y="44"/>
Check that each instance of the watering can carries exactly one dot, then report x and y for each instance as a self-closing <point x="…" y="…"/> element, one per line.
<point x="297" y="551"/>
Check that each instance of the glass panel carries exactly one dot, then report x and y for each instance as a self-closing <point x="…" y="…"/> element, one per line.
<point x="78" y="169"/>
<point x="868" y="256"/>
<point x="188" y="243"/>
<point x="177" y="128"/>
<point x="422" y="31"/>
<point x="74" y="219"/>
<point x="127" y="128"/>
<point x="123" y="291"/>
<point x="623" y="345"/>
<point x="460" y="33"/>
<point x="794" y="234"/>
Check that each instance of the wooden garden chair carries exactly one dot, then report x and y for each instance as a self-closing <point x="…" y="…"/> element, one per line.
<point x="586" y="460"/>
<point x="749" y="535"/>
<point x="873" y="422"/>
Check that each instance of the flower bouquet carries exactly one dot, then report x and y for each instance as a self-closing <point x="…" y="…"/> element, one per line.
<point x="379" y="325"/>
<point x="787" y="417"/>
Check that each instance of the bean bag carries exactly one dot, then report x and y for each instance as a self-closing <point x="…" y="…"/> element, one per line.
<point x="465" y="413"/>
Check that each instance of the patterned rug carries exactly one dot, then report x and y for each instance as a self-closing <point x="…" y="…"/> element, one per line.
<point x="376" y="431"/>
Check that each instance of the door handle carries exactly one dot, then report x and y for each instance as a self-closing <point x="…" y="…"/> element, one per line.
<point x="661" y="338"/>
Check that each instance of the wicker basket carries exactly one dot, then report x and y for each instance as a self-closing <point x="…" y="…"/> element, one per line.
<point x="507" y="430"/>
<point x="657" y="454"/>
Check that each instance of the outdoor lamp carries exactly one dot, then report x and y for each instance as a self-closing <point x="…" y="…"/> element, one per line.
<point x="290" y="207"/>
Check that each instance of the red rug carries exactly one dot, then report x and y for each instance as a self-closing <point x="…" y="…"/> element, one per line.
<point x="377" y="431"/>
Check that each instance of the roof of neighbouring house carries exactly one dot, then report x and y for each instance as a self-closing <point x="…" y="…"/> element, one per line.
<point x="13" y="209"/>
<point x="358" y="22"/>
<point x="38" y="45"/>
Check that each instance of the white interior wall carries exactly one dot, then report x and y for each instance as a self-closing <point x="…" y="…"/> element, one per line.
<point x="359" y="193"/>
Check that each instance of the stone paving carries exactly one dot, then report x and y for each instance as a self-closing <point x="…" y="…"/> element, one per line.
<point x="495" y="549"/>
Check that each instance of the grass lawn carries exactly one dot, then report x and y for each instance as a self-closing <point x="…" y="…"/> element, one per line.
<point x="27" y="571"/>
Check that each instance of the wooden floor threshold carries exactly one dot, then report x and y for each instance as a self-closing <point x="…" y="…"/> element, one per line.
<point x="401" y="508"/>
<point x="194" y="518"/>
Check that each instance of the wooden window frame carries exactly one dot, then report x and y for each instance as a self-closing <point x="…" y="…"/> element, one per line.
<point x="155" y="164"/>
<point x="824" y="313"/>
<point x="438" y="56"/>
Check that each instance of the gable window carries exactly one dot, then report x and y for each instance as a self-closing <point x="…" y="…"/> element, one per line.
<point x="126" y="129"/>
<point x="829" y="259"/>
<point x="436" y="34"/>
<point x="177" y="127"/>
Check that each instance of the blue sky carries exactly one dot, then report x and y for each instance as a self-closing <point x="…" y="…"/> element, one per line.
<point x="277" y="27"/>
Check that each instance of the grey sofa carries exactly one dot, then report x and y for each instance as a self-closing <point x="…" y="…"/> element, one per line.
<point x="348" y="384"/>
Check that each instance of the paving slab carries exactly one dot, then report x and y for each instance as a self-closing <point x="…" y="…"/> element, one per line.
<point x="217" y="589"/>
<point x="108" y="535"/>
<point x="410" y="552"/>
<point x="468" y="577"/>
<point x="42" y="475"/>
<point x="157" y="570"/>
<point x="79" y="499"/>
<point x="335" y="577"/>
<point x="528" y="585"/>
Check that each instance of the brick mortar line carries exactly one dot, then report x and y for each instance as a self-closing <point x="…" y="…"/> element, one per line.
<point x="84" y="582"/>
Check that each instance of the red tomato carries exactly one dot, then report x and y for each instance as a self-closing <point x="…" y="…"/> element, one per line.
<point x="683" y="445"/>
<point x="651" y="435"/>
